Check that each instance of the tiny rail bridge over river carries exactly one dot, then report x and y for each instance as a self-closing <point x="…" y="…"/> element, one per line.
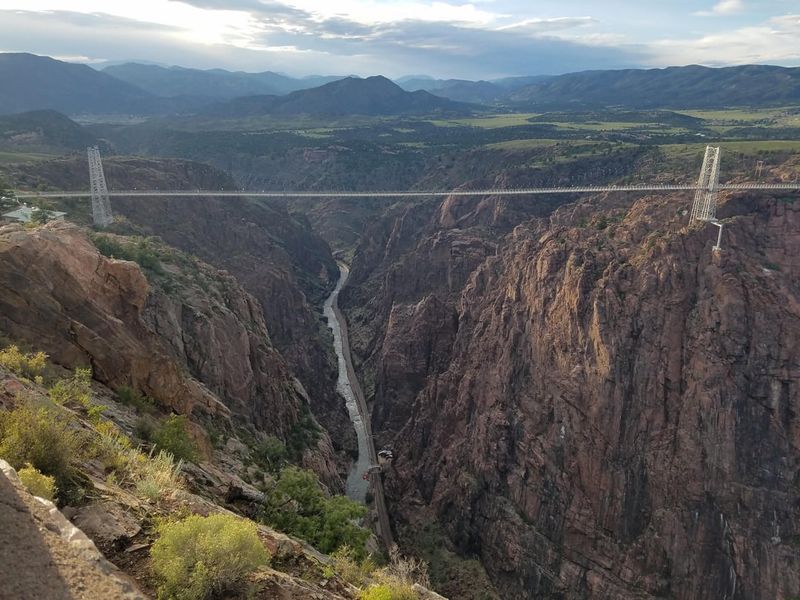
<point x="704" y="207"/>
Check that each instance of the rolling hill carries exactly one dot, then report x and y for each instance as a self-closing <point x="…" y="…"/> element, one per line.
<point x="373" y="96"/>
<point x="674" y="87"/>
<point x="42" y="131"/>
<point x="218" y="84"/>
<point x="34" y="82"/>
<point x="460" y="90"/>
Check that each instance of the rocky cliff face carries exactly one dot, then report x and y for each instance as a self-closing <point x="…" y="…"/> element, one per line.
<point x="191" y="338"/>
<point x="275" y="256"/>
<point x="592" y="401"/>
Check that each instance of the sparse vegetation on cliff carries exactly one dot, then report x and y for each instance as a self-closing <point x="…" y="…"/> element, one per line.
<point x="297" y="505"/>
<point x="45" y="439"/>
<point x="28" y="365"/>
<point x="206" y="557"/>
<point x="173" y="436"/>
<point x="136" y="249"/>
<point x="37" y="483"/>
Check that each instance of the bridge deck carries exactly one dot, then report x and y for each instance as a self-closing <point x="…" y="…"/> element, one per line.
<point x="591" y="189"/>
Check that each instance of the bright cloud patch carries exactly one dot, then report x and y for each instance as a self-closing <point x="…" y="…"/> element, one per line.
<point x="445" y="38"/>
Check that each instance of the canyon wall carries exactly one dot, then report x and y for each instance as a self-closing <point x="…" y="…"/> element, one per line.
<point x="274" y="255"/>
<point x="187" y="335"/>
<point x="591" y="401"/>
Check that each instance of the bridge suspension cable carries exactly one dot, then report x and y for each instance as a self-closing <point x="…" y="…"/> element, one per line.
<point x="704" y="208"/>
<point x="23" y="194"/>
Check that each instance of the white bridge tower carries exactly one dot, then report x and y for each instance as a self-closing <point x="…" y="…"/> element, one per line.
<point x="101" y="205"/>
<point x="705" y="198"/>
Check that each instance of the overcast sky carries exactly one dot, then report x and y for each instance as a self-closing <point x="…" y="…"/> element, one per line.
<point x="446" y="38"/>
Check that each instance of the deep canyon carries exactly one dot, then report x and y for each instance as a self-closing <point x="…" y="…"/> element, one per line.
<point x="578" y="392"/>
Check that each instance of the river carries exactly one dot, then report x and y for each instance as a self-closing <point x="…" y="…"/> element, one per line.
<point x="356" y="485"/>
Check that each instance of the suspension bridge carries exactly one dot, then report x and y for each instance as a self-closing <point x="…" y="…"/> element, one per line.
<point x="704" y="208"/>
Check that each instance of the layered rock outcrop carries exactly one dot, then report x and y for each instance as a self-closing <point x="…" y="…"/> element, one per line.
<point x="275" y="256"/>
<point x="192" y="339"/>
<point x="593" y="403"/>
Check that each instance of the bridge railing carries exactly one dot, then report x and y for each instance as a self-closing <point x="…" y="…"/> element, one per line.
<point x="591" y="189"/>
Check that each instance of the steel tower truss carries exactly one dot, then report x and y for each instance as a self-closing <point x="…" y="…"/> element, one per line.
<point x="101" y="204"/>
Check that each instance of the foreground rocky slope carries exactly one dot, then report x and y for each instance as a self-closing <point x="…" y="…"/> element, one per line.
<point x="44" y="556"/>
<point x="114" y="518"/>
<point x="592" y="402"/>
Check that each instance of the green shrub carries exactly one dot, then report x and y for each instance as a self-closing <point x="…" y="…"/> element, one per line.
<point x="144" y="429"/>
<point x="138" y="250"/>
<point x="270" y="453"/>
<point x="75" y="392"/>
<point x="302" y="435"/>
<point x="173" y="436"/>
<point x="153" y="476"/>
<point x="37" y="483"/>
<point x="206" y="557"/>
<point x="389" y="591"/>
<point x="297" y="505"/>
<point x="130" y="397"/>
<point x="338" y="525"/>
<point x="350" y="568"/>
<point x="43" y="438"/>
<point x="25" y="365"/>
<point x="111" y="446"/>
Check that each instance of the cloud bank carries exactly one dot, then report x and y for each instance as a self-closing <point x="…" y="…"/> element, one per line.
<point x="394" y="37"/>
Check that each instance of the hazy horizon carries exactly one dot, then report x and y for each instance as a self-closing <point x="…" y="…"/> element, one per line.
<point x="482" y="39"/>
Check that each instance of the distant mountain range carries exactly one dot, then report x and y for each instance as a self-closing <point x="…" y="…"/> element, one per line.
<point x="373" y="96"/>
<point x="673" y="87"/>
<point x="464" y="90"/>
<point x="461" y="90"/>
<point x="213" y="83"/>
<point x="33" y="82"/>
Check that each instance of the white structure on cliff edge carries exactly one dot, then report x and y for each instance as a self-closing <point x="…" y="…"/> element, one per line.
<point x="101" y="205"/>
<point x="24" y="214"/>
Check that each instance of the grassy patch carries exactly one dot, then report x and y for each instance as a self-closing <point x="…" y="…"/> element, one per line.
<point x="46" y="440"/>
<point x="37" y="483"/>
<point x="490" y="122"/>
<point x="740" y="115"/>
<point x="526" y="144"/>
<point x="27" y="365"/>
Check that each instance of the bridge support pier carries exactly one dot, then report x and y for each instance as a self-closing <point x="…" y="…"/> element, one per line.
<point x="718" y="247"/>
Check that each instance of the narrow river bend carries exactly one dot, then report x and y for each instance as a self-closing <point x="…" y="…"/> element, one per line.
<point x="356" y="486"/>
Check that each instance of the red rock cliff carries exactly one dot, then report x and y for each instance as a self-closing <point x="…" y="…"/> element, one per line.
<point x="594" y="403"/>
<point x="195" y="342"/>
